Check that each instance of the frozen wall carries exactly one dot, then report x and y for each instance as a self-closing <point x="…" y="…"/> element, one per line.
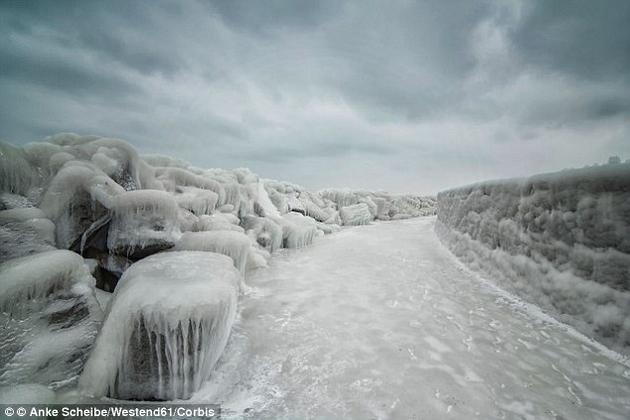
<point x="560" y="240"/>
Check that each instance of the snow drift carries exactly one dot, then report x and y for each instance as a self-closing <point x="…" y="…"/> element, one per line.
<point x="561" y="240"/>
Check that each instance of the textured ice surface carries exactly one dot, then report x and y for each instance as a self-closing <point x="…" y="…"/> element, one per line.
<point x="49" y="317"/>
<point x="381" y="321"/>
<point x="142" y="219"/>
<point x="297" y="231"/>
<point x="235" y="245"/>
<point x="356" y="214"/>
<point x="560" y="240"/>
<point x="24" y="231"/>
<point x="169" y="320"/>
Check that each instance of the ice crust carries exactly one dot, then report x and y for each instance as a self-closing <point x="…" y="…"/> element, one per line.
<point x="235" y="245"/>
<point x="560" y="240"/>
<point x="50" y="318"/>
<point x="162" y="345"/>
<point x="356" y="214"/>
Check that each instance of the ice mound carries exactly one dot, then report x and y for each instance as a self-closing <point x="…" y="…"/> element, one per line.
<point x="49" y="318"/>
<point x="199" y="202"/>
<point x="143" y="222"/>
<point x="217" y="222"/>
<point x="173" y="177"/>
<point x="297" y="231"/>
<point x="16" y="173"/>
<point x="162" y="345"/>
<point x="383" y="205"/>
<point x="561" y="240"/>
<point x="264" y="231"/>
<point x="77" y="196"/>
<point x="357" y="214"/>
<point x="233" y="244"/>
<point x="25" y="231"/>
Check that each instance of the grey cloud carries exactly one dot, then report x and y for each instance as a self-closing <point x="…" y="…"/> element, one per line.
<point x="588" y="38"/>
<point x="412" y="95"/>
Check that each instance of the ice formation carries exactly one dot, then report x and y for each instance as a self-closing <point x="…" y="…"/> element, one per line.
<point x="25" y="231"/>
<point x="162" y="345"/>
<point x="121" y="211"/>
<point x="356" y="214"/>
<point x="49" y="316"/>
<point x="235" y="245"/>
<point x="561" y="240"/>
<point x="144" y="220"/>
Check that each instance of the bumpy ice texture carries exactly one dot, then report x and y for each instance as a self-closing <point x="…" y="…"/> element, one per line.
<point x="49" y="317"/>
<point x="561" y="240"/>
<point x="162" y="345"/>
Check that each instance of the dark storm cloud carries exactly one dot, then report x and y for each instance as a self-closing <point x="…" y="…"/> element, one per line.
<point x="409" y="95"/>
<point x="587" y="38"/>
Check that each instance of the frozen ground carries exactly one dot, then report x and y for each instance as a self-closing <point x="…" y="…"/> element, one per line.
<point x="381" y="321"/>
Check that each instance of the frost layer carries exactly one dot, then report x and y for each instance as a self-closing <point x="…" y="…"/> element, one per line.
<point x="49" y="318"/>
<point x="162" y="345"/>
<point x="561" y="240"/>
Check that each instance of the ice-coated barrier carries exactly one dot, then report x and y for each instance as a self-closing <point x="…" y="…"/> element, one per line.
<point x="560" y="240"/>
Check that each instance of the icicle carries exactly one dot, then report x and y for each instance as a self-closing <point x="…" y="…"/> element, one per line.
<point x="198" y="309"/>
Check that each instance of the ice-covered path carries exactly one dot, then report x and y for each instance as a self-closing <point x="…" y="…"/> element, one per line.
<point x="381" y="321"/>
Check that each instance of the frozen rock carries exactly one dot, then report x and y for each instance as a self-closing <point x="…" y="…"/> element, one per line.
<point x="50" y="318"/>
<point x="216" y="222"/>
<point x="233" y="244"/>
<point x="297" y="231"/>
<point x="162" y="345"/>
<point x="143" y="222"/>
<point x="25" y="231"/>
<point x="196" y="200"/>
<point x="357" y="214"/>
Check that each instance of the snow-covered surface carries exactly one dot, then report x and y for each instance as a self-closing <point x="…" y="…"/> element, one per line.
<point x="382" y="321"/>
<point x="560" y="240"/>
<point x="169" y="320"/>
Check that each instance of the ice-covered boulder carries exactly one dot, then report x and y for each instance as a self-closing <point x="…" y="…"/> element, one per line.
<point x="25" y="231"/>
<point x="49" y="317"/>
<point x="162" y="345"/>
<point x="178" y="177"/>
<point x="560" y="240"/>
<point x="357" y="214"/>
<point x="218" y="221"/>
<point x="383" y="205"/>
<point x="233" y="244"/>
<point x="143" y="222"/>
<point x="196" y="200"/>
<point x="298" y="231"/>
<point x="16" y="173"/>
<point x="77" y="196"/>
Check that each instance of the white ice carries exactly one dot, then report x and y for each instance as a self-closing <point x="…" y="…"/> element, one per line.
<point x="382" y="321"/>
<point x="235" y="245"/>
<point x="49" y="317"/>
<point x="560" y="240"/>
<point x="169" y="320"/>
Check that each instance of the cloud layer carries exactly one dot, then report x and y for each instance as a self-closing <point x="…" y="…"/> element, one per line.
<point x="404" y="96"/>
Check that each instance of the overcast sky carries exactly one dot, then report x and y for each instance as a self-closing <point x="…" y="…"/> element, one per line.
<point x="397" y="95"/>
